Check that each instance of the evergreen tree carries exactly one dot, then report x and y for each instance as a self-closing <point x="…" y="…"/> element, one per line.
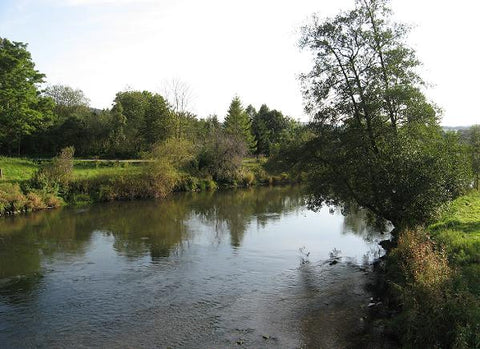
<point x="238" y="123"/>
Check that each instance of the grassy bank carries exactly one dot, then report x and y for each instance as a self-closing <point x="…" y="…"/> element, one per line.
<point x="107" y="180"/>
<point x="434" y="276"/>
<point x="16" y="170"/>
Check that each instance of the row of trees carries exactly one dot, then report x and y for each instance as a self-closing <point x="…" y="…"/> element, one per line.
<point x="41" y="122"/>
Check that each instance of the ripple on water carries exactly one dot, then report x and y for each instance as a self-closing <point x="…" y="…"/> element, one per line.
<point x="221" y="270"/>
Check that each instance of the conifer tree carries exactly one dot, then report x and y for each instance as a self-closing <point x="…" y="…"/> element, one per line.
<point x="238" y="123"/>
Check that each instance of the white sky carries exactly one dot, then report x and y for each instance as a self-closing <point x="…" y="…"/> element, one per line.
<point x="226" y="48"/>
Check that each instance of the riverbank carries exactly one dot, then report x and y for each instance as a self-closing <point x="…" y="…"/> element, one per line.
<point x="21" y="189"/>
<point x="432" y="294"/>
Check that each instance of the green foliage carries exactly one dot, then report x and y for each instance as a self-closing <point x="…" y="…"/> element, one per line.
<point x="169" y="158"/>
<point x="269" y="128"/>
<point x="22" y="109"/>
<point x="55" y="176"/>
<point x="377" y="139"/>
<point x="289" y="153"/>
<point x="436" y="279"/>
<point x="13" y="199"/>
<point x="147" y="120"/>
<point x="438" y="311"/>
<point x="68" y="101"/>
<point x="238" y="124"/>
<point x="473" y="142"/>
<point x="221" y="156"/>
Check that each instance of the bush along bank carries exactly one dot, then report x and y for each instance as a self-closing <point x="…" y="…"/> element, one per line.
<point x="433" y="280"/>
<point x="13" y="199"/>
<point x="57" y="183"/>
<point x="20" y="198"/>
<point x="151" y="185"/>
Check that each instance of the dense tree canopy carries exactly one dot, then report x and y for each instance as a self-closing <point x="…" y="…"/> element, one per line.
<point x="67" y="100"/>
<point x="22" y="109"/>
<point x="377" y="138"/>
<point x="147" y="119"/>
<point x="268" y="126"/>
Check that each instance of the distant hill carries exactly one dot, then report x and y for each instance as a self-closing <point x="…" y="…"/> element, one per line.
<point x="455" y="128"/>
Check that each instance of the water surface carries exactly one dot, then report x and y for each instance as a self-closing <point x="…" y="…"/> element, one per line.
<point x="246" y="268"/>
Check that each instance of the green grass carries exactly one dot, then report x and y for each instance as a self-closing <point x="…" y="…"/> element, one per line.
<point x="89" y="170"/>
<point x="458" y="230"/>
<point x="19" y="169"/>
<point x="16" y="169"/>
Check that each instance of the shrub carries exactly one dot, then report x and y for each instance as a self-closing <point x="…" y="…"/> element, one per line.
<point x="57" y="175"/>
<point x="438" y="311"/>
<point x="248" y="178"/>
<point x="52" y="201"/>
<point x="106" y="193"/>
<point x="211" y="184"/>
<point x="188" y="183"/>
<point x="11" y="198"/>
<point x="221" y="157"/>
<point x="35" y="202"/>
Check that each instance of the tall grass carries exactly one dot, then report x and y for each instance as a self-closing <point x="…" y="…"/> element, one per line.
<point x="435" y="280"/>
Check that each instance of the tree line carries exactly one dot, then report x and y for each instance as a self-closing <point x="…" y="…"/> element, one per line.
<point x="36" y="121"/>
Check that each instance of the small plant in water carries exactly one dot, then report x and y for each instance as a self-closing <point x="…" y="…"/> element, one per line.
<point x="335" y="256"/>
<point x="304" y="255"/>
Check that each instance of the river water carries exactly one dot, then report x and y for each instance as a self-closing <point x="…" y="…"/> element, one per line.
<point x="236" y="269"/>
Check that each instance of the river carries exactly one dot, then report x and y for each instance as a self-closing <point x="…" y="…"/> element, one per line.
<point x="234" y="269"/>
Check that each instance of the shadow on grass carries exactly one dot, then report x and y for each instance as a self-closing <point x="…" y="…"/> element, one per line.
<point x="466" y="227"/>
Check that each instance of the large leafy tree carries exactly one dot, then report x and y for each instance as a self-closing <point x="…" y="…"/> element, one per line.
<point x="238" y="123"/>
<point x="68" y="101"/>
<point x="268" y="126"/>
<point x="148" y="119"/>
<point x="377" y="137"/>
<point x="22" y="109"/>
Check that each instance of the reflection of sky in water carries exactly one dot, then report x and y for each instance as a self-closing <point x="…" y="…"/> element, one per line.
<point x="284" y="234"/>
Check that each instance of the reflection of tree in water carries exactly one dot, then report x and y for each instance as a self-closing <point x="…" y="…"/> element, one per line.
<point x="234" y="211"/>
<point x="25" y="240"/>
<point x="359" y="222"/>
<point x="148" y="228"/>
<point x="138" y="228"/>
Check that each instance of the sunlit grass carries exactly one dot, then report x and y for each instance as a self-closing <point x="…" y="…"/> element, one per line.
<point x="458" y="231"/>
<point x="87" y="170"/>
<point x="16" y="169"/>
<point x="20" y="169"/>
